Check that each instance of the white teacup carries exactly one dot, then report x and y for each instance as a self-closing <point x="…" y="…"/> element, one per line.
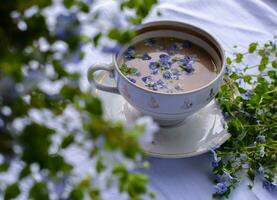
<point x="166" y="108"/>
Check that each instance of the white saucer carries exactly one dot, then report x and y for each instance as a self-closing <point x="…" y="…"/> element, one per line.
<point x="196" y="135"/>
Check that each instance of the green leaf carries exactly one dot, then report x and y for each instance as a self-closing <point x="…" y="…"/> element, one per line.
<point x="261" y="67"/>
<point x="264" y="60"/>
<point x="12" y="191"/>
<point x="24" y="172"/>
<point x="39" y="191"/>
<point x="272" y="74"/>
<point x="4" y="167"/>
<point x="247" y="79"/>
<point x="251" y="174"/>
<point x="239" y="57"/>
<point x="126" y="70"/>
<point x="96" y="38"/>
<point x="274" y="64"/>
<point x="252" y="47"/>
<point x="228" y="61"/>
<point x="100" y="165"/>
<point x="69" y="3"/>
<point x="69" y="139"/>
<point x="83" y="7"/>
<point x="76" y="194"/>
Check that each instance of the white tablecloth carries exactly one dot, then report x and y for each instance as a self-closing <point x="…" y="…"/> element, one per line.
<point x="232" y="22"/>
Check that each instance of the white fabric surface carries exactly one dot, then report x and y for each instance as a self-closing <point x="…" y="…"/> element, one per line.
<point x="232" y="22"/>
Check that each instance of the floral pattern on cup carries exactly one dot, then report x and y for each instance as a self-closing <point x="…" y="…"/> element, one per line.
<point x="186" y="104"/>
<point x="153" y="103"/>
<point x="211" y="95"/>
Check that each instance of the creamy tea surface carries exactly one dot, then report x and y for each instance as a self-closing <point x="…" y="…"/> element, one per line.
<point x="168" y="65"/>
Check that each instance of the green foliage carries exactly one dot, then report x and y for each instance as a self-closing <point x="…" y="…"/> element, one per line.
<point x="249" y="101"/>
<point x="127" y="70"/>
<point x="12" y="191"/>
<point x="39" y="191"/>
<point x="21" y="93"/>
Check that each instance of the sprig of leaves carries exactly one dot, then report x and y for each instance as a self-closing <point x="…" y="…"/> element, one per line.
<point x="249" y="101"/>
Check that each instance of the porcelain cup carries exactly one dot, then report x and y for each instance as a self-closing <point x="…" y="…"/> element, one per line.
<point x="166" y="108"/>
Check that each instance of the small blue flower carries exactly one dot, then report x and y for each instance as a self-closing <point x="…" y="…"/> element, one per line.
<point x="187" y="44"/>
<point x="221" y="188"/>
<point x="145" y="56"/>
<point x="155" y="87"/>
<point x="112" y="50"/>
<point x="67" y="26"/>
<point x="131" y="79"/>
<point x="129" y="54"/>
<point x="150" y="42"/>
<point x="154" y="71"/>
<point x="149" y="82"/>
<point x="164" y="58"/>
<point x="216" y="159"/>
<point x="226" y="177"/>
<point x="260" y="169"/>
<point x="161" y="84"/>
<point x="186" y="64"/>
<point x="146" y="78"/>
<point x="228" y="69"/>
<point x="167" y="75"/>
<point x="247" y="95"/>
<point x="153" y="65"/>
<point x="165" y="65"/>
<point x="269" y="185"/>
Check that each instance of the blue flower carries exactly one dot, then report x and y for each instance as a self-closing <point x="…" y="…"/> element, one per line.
<point x="260" y="169"/>
<point x="154" y="71"/>
<point x="153" y="65"/>
<point x="112" y="50"/>
<point x="161" y="84"/>
<point x="187" y="44"/>
<point x="216" y="159"/>
<point x="167" y="75"/>
<point x="228" y="69"/>
<point x="67" y="26"/>
<point x="164" y="58"/>
<point x="221" y="188"/>
<point x="247" y="95"/>
<point x="149" y="82"/>
<point x="146" y="78"/>
<point x="269" y="185"/>
<point x="165" y="62"/>
<point x="145" y="56"/>
<point x="131" y="79"/>
<point x="149" y="42"/>
<point x="186" y="64"/>
<point x="129" y="54"/>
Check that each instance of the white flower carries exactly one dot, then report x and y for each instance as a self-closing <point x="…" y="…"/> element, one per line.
<point x="150" y="127"/>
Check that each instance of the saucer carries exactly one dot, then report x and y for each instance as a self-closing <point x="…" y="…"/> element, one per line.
<point x="196" y="135"/>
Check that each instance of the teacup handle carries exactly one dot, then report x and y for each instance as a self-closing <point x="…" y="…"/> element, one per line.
<point x="99" y="86"/>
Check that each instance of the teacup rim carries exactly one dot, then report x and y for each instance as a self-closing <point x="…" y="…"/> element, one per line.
<point x="220" y="48"/>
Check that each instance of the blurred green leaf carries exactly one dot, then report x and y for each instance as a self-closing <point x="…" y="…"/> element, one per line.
<point x="12" y="191"/>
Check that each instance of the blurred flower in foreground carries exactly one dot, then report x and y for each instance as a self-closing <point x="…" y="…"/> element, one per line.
<point x="150" y="127"/>
<point x="67" y="26"/>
